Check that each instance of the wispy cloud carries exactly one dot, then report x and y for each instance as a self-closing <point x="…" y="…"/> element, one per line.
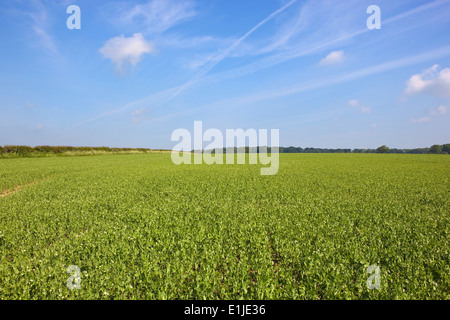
<point x="227" y="51"/>
<point x="366" y="110"/>
<point x="354" y="103"/>
<point x="383" y="67"/>
<point x="38" y="16"/>
<point x="357" y="104"/>
<point x="122" y="50"/>
<point x="311" y="45"/>
<point x="294" y="38"/>
<point x="139" y="115"/>
<point x="332" y="58"/>
<point x="441" y="110"/>
<point x="420" y="9"/>
<point x="321" y="83"/>
<point x="293" y="52"/>
<point x="201" y="59"/>
<point x="284" y="34"/>
<point x="421" y="120"/>
<point x="278" y="58"/>
<point x="206" y="48"/>
<point x="156" y="16"/>
<point x="158" y="98"/>
<point x="179" y="41"/>
<point x="173" y="92"/>
<point x="38" y="127"/>
<point x="153" y="100"/>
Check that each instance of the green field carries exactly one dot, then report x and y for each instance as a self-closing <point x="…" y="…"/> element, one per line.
<point x="140" y="227"/>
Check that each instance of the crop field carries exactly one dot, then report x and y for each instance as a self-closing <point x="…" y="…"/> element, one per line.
<point x="140" y="227"/>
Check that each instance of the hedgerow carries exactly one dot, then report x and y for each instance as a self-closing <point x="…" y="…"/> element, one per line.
<point x="26" y="151"/>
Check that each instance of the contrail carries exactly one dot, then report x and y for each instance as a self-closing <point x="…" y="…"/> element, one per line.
<point x="227" y="51"/>
<point x="309" y="86"/>
<point x="152" y="99"/>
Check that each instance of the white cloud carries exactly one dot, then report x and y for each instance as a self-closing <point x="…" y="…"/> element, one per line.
<point x="441" y="110"/>
<point x="374" y="125"/>
<point x="332" y="58"/>
<point x="122" y="50"/>
<point x="430" y="81"/>
<point x="421" y="120"/>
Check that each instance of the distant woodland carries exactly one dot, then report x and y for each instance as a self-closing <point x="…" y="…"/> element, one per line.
<point x="26" y="151"/>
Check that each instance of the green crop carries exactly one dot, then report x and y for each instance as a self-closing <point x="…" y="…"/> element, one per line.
<point x="140" y="227"/>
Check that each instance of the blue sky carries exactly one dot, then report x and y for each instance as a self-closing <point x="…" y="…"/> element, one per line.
<point x="138" y="70"/>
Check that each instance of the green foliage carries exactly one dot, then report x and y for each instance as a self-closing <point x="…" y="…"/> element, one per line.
<point x="383" y="149"/>
<point x="446" y="148"/>
<point x="140" y="227"/>
<point x="25" y="151"/>
<point x="436" y="149"/>
<point x="22" y="151"/>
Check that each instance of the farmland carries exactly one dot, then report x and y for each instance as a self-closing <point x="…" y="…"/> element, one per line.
<point x="140" y="227"/>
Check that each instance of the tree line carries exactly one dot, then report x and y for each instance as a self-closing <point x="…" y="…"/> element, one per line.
<point x="435" y="149"/>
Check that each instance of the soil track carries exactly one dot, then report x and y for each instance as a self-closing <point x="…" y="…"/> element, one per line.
<point x="16" y="189"/>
